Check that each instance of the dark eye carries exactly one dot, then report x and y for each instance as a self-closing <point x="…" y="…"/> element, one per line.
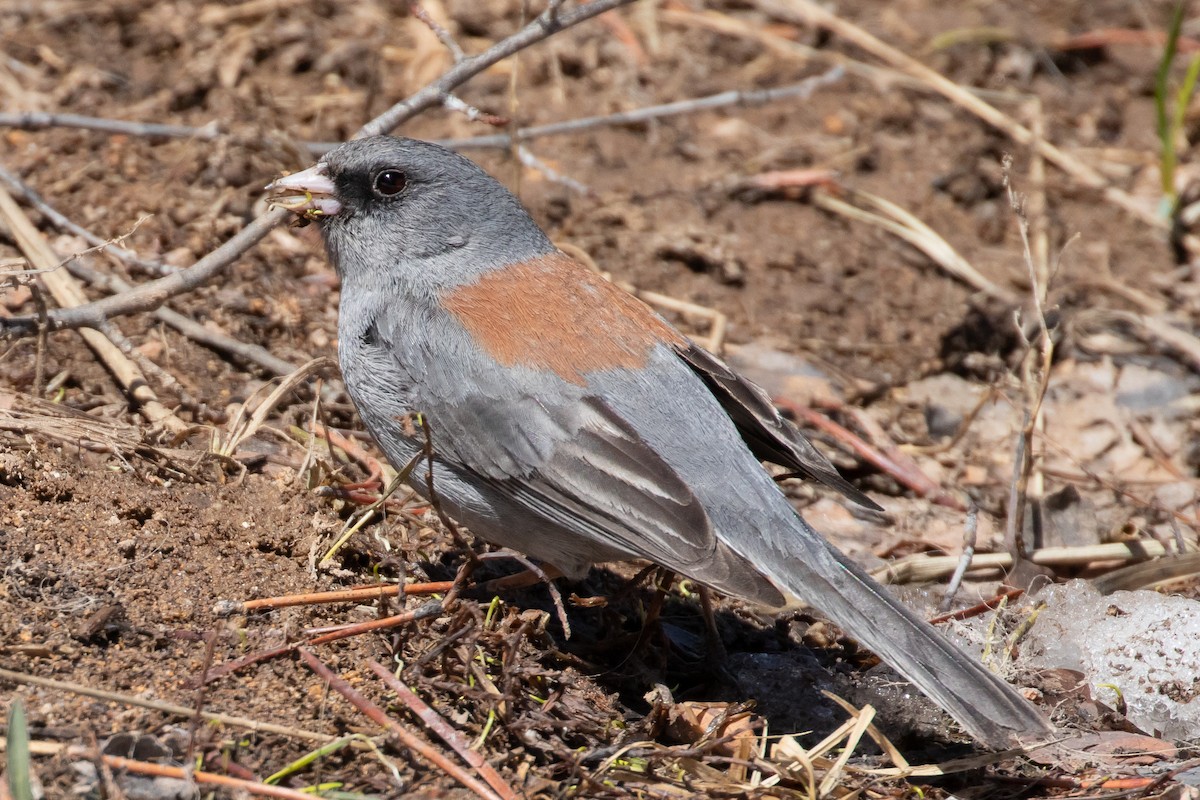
<point x="390" y="182"/>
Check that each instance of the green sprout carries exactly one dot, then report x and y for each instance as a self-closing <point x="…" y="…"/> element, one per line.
<point x="1170" y="116"/>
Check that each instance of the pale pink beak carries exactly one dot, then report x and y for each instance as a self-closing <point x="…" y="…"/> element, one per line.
<point x="310" y="193"/>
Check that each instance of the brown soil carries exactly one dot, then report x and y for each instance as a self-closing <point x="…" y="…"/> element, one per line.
<point x="113" y="562"/>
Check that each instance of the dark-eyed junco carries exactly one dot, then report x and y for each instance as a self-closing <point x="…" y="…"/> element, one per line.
<point x="572" y="423"/>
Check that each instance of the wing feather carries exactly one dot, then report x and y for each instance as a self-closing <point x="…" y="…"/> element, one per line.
<point x="768" y="435"/>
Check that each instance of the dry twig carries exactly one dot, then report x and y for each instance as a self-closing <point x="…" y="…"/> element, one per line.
<point x="185" y="712"/>
<point x="410" y="740"/>
<point x="443" y="729"/>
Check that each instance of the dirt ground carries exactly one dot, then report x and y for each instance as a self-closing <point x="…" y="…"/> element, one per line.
<point x="114" y="556"/>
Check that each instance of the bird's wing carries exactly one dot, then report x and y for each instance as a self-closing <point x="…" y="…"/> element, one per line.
<point x="578" y="464"/>
<point x="769" y="436"/>
<point x="503" y="372"/>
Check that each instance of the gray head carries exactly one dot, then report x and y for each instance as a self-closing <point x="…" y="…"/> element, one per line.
<point x="402" y="208"/>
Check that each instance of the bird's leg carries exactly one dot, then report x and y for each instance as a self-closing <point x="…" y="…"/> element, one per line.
<point x="716" y="647"/>
<point x="462" y="580"/>
<point x="531" y="575"/>
<point x="538" y="573"/>
<point x="635" y="581"/>
<point x="662" y="585"/>
<point x="434" y="499"/>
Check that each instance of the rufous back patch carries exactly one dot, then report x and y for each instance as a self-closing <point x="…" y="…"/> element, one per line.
<point x="553" y="313"/>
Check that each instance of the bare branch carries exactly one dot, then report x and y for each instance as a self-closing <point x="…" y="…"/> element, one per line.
<point x="743" y="99"/>
<point x="434" y="94"/>
<point x="551" y="174"/>
<point x="444" y="36"/>
<point x="39" y="120"/>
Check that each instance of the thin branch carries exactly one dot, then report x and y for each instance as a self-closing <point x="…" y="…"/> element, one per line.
<point x="225" y="608"/>
<point x="741" y="99"/>
<point x="449" y="734"/>
<point x="455" y="103"/>
<point x="550" y="173"/>
<point x="38" y="120"/>
<point x="244" y="723"/>
<point x="970" y="534"/>
<point x="434" y="94"/>
<point x="195" y="776"/>
<point x="444" y="36"/>
<point x="803" y="90"/>
<point x="410" y="740"/>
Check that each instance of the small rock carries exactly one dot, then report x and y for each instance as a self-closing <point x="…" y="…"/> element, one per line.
<point x="781" y="374"/>
<point x="1142" y="388"/>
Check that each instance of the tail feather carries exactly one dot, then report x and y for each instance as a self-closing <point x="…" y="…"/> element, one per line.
<point x="988" y="708"/>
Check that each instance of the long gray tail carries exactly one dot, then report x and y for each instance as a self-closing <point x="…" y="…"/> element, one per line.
<point x="987" y="707"/>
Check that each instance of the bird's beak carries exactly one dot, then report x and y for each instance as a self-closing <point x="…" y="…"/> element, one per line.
<point x="310" y="193"/>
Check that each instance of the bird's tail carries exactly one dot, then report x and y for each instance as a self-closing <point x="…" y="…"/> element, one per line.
<point x="987" y="707"/>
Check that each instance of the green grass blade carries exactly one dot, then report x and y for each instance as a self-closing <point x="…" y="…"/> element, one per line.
<point x="1162" y="80"/>
<point x="19" y="765"/>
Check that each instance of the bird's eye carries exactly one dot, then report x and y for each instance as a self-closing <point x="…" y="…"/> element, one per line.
<point x="390" y="182"/>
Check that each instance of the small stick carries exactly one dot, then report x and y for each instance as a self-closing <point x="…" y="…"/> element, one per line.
<point x="800" y="91"/>
<point x="455" y="103"/>
<point x="555" y="594"/>
<point x="913" y="479"/>
<point x="1035" y="381"/>
<point x="38" y="120"/>
<point x="225" y="608"/>
<point x="407" y="738"/>
<point x="927" y="568"/>
<point x="230" y="667"/>
<point x="198" y="776"/>
<point x="167" y="708"/>
<point x="551" y="174"/>
<point x="970" y="531"/>
<point x="444" y="36"/>
<point x="977" y="609"/>
<point x="431" y="609"/>
<point x="434" y="500"/>
<point x="448" y="733"/>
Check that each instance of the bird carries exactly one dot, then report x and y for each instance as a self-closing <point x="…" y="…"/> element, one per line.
<point x="570" y="422"/>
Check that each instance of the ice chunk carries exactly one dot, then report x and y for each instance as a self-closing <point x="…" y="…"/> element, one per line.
<point x="1144" y="643"/>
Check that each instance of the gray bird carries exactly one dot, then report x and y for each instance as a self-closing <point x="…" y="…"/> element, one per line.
<point x="572" y="423"/>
